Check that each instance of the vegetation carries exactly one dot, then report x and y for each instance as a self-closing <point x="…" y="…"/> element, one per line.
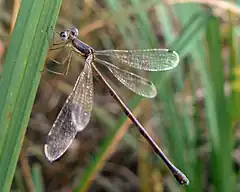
<point x="194" y="117"/>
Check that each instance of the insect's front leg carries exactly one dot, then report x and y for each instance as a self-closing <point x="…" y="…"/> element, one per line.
<point x="66" y="62"/>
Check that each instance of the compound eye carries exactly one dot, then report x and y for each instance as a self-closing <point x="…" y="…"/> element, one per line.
<point x="64" y="35"/>
<point x="74" y="32"/>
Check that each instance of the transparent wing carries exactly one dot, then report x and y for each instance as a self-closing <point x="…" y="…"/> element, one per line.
<point x="148" y="59"/>
<point x="131" y="80"/>
<point x="73" y="117"/>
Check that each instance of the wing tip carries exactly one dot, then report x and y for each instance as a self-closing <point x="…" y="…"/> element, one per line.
<point x="48" y="153"/>
<point x="177" y="58"/>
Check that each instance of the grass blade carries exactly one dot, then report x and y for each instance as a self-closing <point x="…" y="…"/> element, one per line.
<point x="221" y="154"/>
<point x="20" y="79"/>
<point x="37" y="178"/>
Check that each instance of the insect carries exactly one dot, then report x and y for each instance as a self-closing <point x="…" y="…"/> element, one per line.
<point x="76" y="112"/>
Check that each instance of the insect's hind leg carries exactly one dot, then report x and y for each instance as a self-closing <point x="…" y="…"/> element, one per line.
<point x="66" y="61"/>
<point x="69" y="61"/>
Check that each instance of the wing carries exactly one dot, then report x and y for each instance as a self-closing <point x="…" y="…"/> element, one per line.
<point x="73" y="117"/>
<point x="131" y="80"/>
<point x="148" y="59"/>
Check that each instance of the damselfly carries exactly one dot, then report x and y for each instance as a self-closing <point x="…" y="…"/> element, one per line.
<point x="76" y="111"/>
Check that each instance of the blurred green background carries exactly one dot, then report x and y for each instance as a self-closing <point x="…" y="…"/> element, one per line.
<point x="194" y="118"/>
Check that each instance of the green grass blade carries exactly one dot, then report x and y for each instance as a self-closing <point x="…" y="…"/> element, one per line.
<point x="147" y="38"/>
<point x="192" y="31"/>
<point x="198" y="53"/>
<point x="234" y="99"/>
<point x="115" y="6"/>
<point x="18" y="180"/>
<point x="222" y="159"/>
<point x="37" y="178"/>
<point x="20" y="79"/>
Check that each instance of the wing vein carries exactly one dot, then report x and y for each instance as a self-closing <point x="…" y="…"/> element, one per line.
<point x="148" y="59"/>
<point x="132" y="81"/>
<point x="74" y="116"/>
